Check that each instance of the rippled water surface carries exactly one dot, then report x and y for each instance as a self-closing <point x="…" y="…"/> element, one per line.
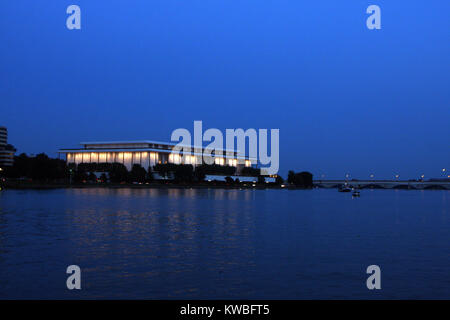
<point x="211" y="243"/>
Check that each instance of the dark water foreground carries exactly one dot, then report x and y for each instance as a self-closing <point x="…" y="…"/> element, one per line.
<point x="200" y="243"/>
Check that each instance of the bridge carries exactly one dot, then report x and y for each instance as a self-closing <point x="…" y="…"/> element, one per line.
<point x="385" y="184"/>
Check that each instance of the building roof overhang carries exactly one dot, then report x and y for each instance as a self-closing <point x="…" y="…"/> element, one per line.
<point x="149" y="142"/>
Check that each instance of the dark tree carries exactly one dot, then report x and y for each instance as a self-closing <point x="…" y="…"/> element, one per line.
<point x="229" y="180"/>
<point x="216" y="169"/>
<point x="199" y="175"/>
<point x="279" y="180"/>
<point x="180" y="172"/>
<point x="103" y="178"/>
<point x="92" y="177"/>
<point x="21" y="167"/>
<point x="39" y="168"/>
<point x="118" y="173"/>
<point x="303" y="179"/>
<point x="163" y="169"/>
<point x="291" y="177"/>
<point x="138" y="174"/>
<point x="184" y="173"/>
<point x="80" y="176"/>
<point x="250" y="171"/>
<point x="10" y="147"/>
<point x="149" y="177"/>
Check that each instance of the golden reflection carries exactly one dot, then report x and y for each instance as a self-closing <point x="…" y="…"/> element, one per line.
<point x="159" y="222"/>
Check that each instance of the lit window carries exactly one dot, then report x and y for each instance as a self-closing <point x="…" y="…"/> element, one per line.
<point x="137" y="157"/>
<point x="219" y="161"/>
<point x="127" y="155"/>
<point x="102" y="157"/>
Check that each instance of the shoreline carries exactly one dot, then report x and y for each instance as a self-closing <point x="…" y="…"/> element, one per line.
<point x="49" y="186"/>
<point x="15" y="185"/>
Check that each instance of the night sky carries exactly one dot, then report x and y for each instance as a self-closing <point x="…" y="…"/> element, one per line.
<point x="346" y="99"/>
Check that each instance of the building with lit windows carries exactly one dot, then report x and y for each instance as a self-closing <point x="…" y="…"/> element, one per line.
<point x="148" y="154"/>
<point x="7" y="151"/>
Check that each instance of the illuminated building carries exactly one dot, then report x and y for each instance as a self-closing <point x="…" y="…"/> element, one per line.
<point x="6" y="151"/>
<point x="148" y="153"/>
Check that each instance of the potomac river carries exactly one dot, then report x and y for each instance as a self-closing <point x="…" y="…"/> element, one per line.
<point x="219" y="244"/>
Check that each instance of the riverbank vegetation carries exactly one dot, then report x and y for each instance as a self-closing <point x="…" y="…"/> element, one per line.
<point x="301" y="179"/>
<point x="43" y="170"/>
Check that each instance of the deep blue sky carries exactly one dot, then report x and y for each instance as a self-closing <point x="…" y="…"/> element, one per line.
<point x="345" y="98"/>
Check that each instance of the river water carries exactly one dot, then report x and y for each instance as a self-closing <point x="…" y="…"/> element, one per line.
<point x="224" y="244"/>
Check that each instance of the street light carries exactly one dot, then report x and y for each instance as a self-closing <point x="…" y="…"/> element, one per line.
<point x="396" y="176"/>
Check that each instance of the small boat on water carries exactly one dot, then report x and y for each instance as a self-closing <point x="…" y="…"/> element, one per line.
<point x="344" y="188"/>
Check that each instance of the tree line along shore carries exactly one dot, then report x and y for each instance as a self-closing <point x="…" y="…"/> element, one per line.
<point x="42" y="172"/>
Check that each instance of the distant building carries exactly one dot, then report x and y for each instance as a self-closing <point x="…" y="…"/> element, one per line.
<point x="146" y="154"/>
<point x="6" y="150"/>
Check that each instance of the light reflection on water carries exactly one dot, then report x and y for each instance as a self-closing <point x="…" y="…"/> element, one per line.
<point x="216" y="243"/>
